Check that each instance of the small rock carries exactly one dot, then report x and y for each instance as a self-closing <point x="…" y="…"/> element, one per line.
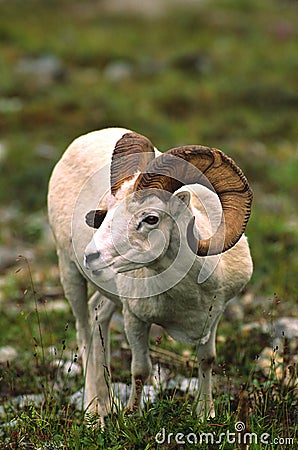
<point x="260" y="327"/>
<point x="27" y="399"/>
<point x="160" y="376"/>
<point x="68" y="367"/>
<point x="45" y="69"/>
<point x="194" y="62"/>
<point x="7" y="353"/>
<point x="220" y="338"/>
<point x="10" y="105"/>
<point x="7" y="258"/>
<point x="46" y="151"/>
<point x="247" y="299"/>
<point x="9" y="213"/>
<point x="272" y="360"/>
<point x="3" y="151"/>
<point x="189" y="385"/>
<point x="121" y="393"/>
<point x="148" y="395"/>
<point x="76" y="399"/>
<point x="118" y="70"/>
<point x="286" y="327"/>
<point x="283" y="30"/>
<point x="52" y="350"/>
<point x="71" y="369"/>
<point x="12" y="423"/>
<point x="57" y="305"/>
<point x="234" y="310"/>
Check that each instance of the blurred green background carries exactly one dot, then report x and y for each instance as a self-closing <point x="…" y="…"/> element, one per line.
<point x="220" y="73"/>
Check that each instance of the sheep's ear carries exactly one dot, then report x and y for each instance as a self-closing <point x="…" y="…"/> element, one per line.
<point x="95" y="217"/>
<point x="175" y="206"/>
<point x="184" y="196"/>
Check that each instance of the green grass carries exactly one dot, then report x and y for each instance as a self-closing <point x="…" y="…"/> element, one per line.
<point x="56" y="424"/>
<point x="268" y="407"/>
<point x="223" y="75"/>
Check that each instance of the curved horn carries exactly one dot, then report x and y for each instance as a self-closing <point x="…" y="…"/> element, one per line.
<point x="224" y="175"/>
<point x="132" y="153"/>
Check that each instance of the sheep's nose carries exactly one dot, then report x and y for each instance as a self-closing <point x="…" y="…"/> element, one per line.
<point x="90" y="255"/>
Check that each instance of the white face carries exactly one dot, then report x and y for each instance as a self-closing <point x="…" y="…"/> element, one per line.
<point x="133" y="234"/>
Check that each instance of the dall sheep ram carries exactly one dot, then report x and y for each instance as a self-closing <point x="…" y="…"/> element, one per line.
<point x="160" y="237"/>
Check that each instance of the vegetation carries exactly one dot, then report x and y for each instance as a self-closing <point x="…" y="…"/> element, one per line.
<point x="224" y="74"/>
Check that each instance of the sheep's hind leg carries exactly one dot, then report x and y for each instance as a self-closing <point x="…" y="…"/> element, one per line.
<point x="206" y="355"/>
<point x="137" y="333"/>
<point x="101" y="311"/>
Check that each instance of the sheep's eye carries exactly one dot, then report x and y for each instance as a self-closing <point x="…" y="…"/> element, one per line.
<point x="151" y="220"/>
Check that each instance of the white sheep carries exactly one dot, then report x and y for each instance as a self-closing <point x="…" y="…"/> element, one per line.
<point x="166" y="249"/>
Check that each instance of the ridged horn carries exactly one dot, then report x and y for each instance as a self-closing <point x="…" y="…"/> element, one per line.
<point x="132" y="153"/>
<point x="222" y="173"/>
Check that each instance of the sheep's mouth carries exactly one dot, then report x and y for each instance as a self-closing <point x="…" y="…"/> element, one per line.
<point x="97" y="272"/>
<point x="123" y="269"/>
<point x="101" y="269"/>
<point x="128" y="268"/>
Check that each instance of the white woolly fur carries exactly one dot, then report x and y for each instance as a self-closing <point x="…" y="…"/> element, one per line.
<point x="188" y="307"/>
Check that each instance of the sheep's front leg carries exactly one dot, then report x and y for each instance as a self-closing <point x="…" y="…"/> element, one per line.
<point x="101" y="311"/>
<point x="206" y="355"/>
<point x="137" y="333"/>
<point x="75" y="289"/>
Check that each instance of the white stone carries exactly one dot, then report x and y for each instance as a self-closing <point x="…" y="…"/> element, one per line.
<point x="8" y="353"/>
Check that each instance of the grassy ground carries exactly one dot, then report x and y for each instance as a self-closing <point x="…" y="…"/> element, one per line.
<point x="224" y="75"/>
